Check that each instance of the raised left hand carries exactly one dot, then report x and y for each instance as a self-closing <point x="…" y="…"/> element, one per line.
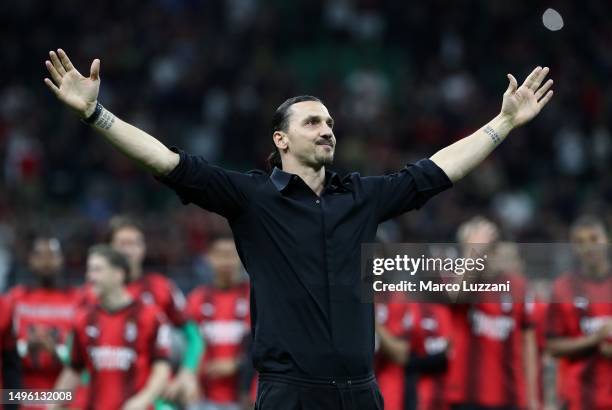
<point x="525" y="102"/>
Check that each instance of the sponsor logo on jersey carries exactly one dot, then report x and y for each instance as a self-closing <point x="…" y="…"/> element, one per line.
<point x="224" y="331"/>
<point x="493" y="327"/>
<point x="435" y="345"/>
<point x="112" y="357"/>
<point x="25" y="312"/>
<point x="581" y="302"/>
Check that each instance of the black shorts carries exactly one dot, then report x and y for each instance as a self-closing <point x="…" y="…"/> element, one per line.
<point x="280" y="392"/>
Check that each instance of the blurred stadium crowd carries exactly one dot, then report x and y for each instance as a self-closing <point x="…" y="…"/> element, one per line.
<point x="541" y="348"/>
<point x="402" y="79"/>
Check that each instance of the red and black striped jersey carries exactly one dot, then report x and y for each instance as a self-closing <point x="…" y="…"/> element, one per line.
<point x="486" y="362"/>
<point x="431" y="337"/>
<point x="582" y="306"/>
<point x="223" y="318"/>
<point x="398" y="318"/>
<point x="118" y="349"/>
<point x="41" y="314"/>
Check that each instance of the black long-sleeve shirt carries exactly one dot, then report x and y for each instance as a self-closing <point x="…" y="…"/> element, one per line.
<point x="302" y="252"/>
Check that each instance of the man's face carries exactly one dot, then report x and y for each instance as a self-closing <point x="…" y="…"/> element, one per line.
<point x="309" y="137"/>
<point x="46" y="258"/>
<point x="224" y="261"/>
<point x="130" y="242"/>
<point x="590" y="244"/>
<point x="102" y="276"/>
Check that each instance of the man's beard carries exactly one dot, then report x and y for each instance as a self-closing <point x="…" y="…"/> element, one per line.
<point x="325" y="160"/>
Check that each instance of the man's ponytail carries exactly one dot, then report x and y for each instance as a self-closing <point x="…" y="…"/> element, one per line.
<point x="274" y="160"/>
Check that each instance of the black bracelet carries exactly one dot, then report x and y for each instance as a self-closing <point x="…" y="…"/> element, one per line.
<point x="93" y="117"/>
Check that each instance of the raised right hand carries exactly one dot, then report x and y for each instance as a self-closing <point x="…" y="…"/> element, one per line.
<point x="69" y="86"/>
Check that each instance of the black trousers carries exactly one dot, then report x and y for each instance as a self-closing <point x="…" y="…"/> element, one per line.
<point x="276" y="392"/>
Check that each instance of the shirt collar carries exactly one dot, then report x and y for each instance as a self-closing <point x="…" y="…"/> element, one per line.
<point x="282" y="179"/>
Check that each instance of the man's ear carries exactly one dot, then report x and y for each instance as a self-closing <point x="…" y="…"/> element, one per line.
<point x="280" y="140"/>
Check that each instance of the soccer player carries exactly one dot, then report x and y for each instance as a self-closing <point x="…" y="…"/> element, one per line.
<point x="394" y="325"/>
<point x="580" y="321"/>
<point x="430" y="355"/>
<point x="222" y="313"/>
<point x="412" y="363"/>
<point x="10" y="368"/>
<point x="42" y="316"/>
<point x="493" y="359"/>
<point x="127" y="237"/>
<point x="122" y="342"/>
<point x="299" y="230"/>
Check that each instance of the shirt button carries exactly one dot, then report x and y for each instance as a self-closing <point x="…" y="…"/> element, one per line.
<point x="318" y="201"/>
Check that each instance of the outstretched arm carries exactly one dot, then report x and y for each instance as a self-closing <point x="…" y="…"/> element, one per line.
<point x="81" y="94"/>
<point x="519" y="106"/>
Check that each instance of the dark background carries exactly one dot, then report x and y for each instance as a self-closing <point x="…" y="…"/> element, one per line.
<point x="402" y="79"/>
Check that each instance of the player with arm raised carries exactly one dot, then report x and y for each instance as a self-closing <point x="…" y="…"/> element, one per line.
<point x="299" y="230"/>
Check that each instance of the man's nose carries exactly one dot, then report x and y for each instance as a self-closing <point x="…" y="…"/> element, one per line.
<point x="326" y="133"/>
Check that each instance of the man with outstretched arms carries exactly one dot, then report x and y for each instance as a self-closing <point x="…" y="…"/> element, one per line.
<point x="299" y="230"/>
